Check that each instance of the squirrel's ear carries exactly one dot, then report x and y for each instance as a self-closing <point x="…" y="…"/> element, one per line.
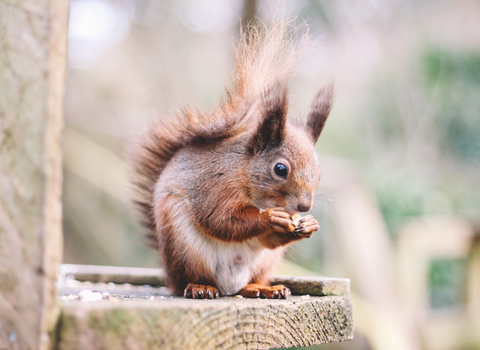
<point x="321" y="106"/>
<point x="271" y="130"/>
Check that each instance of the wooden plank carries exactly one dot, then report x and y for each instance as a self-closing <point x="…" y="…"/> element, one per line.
<point x="139" y="313"/>
<point x="314" y="285"/>
<point x="319" y="286"/>
<point x="224" y="323"/>
<point x="114" y="274"/>
<point x="32" y="69"/>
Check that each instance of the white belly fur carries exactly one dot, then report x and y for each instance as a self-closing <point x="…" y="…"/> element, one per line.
<point x="231" y="264"/>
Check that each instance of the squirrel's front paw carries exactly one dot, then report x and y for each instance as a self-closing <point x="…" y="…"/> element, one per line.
<point x="279" y="220"/>
<point x="285" y="229"/>
<point x="199" y="291"/>
<point x="306" y="226"/>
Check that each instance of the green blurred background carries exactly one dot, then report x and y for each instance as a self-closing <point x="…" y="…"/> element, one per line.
<point x="399" y="199"/>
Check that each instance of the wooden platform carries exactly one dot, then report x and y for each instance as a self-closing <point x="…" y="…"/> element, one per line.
<point x="140" y="314"/>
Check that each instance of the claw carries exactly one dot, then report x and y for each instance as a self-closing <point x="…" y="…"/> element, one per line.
<point x="300" y="228"/>
<point x="199" y="291"/>
<point x="199" y="294"/>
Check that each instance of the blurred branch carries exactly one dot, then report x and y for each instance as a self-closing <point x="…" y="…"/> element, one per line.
<point x="95" y="164"/>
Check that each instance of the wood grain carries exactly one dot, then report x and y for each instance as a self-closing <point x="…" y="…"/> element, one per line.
<point x="32" y="70"/>
<point x="225" y="323"/>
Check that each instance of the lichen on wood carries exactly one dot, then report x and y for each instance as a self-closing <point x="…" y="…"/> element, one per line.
<point x="139" y="316"/>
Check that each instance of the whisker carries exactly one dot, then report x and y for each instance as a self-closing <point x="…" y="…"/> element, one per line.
<point x="296" y="251"/>
<point x="260" y="186"/>
<point x="290" y="255"/>
<point x="260" y="183"/>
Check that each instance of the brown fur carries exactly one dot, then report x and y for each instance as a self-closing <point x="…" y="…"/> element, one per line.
<point x="217" y="168"/>
<point x="174" y="253"/>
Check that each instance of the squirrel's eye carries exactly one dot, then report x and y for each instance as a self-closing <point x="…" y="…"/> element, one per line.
<point x="281" y="170"/>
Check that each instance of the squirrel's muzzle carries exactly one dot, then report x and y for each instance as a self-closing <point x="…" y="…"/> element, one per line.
<point x="302" y="207"/>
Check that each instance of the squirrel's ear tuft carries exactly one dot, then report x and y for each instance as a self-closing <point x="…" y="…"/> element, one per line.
<point x="321" y="106"/>
<point x="271" y="130"/>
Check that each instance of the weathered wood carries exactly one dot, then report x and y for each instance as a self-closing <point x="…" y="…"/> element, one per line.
<point x="319" y="286"/>
<point x="225" y="323"/>
<point x="114" y="274"/>
<point x="314" y="285"/>
<point x="141" y="314"/>
<point x="32" y="68"/>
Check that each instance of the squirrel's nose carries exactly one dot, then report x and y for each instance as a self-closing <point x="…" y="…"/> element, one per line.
<point x="303" y="207"/>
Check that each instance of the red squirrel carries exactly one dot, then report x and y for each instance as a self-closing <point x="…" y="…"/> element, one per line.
<point x="220" y="191"/>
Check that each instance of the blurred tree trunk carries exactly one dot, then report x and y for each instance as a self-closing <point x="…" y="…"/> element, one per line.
<point x="249" y="12"/>
<point x="33" y="36"/>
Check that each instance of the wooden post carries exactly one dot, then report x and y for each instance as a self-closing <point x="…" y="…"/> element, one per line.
<point x="33" y="36"/>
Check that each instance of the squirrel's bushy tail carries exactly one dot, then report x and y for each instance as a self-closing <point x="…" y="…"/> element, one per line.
<point x="265" y="55"/>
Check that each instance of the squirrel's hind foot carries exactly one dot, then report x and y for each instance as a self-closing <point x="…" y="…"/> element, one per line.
<point x="199" y="291"/>
<point x="256" y="290"/>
